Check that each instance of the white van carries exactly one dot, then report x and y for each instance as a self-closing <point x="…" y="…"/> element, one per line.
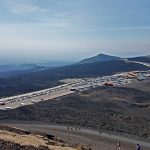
<point x="7" y="108"/>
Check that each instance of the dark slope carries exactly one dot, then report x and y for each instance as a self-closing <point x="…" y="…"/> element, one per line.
<point x="145" y="59"/>
<point x="7" y="71"/>
<point x="48" y="78"/>
<point x="8" y="68"/>
<point x="105" y="108"/>
<point x="99" y="58"/>
<point x="141" y="85"/>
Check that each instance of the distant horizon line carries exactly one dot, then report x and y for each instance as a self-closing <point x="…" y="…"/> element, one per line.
<point x="59" y="61"/>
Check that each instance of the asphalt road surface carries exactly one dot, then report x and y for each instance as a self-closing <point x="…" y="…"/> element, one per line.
<point x="28" y="101"/>
<point x="94" y="139"/>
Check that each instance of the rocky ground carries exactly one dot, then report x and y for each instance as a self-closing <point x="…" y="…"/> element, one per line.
<point x="118" y="110"/>
<point x="17" y="139"/>
<point x="140" y="85"/>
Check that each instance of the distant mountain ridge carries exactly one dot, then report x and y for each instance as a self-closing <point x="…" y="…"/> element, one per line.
<point x="99" y="58"/>
<point x="6" y="68"/>
<point x="104" y="58"/>
<point x="29" y="67"/>
<point x="47" y="78"/>
<point x="11" y="70"/>
<point x="145" y="59"/>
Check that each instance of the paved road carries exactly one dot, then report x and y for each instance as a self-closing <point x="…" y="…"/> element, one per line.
<point x="43" y="127"/>
<point x="137" y="62"/>
<point x="28" y="101"/>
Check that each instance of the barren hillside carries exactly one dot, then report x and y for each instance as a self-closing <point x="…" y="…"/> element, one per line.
<point x="16" y="139"/>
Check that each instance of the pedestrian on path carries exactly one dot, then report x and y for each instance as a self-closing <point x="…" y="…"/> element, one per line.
<point x="138" y="147"/>
<point x="118" y="146"/>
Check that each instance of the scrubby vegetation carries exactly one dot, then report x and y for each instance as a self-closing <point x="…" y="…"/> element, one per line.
<point x="106" y="108"/>
<point x="18" y="139"/>
<point x="7" y="145"/>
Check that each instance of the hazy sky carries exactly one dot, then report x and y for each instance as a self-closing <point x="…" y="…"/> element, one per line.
<point x="35" y="30"/>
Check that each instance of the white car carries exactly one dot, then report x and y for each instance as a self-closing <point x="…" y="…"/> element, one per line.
<point x="7" y="108"/>
<point x="22" y="104"/>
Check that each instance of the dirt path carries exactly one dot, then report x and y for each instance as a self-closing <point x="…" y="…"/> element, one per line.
<point x="33" y="140"/>
<point x="93" y="139"/>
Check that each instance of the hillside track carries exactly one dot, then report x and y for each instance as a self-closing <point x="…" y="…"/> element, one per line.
<point x="94" y="139"/>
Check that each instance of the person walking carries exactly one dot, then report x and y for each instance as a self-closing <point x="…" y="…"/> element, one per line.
<point x="138" y="147"/>
<point x="118" y="146"/>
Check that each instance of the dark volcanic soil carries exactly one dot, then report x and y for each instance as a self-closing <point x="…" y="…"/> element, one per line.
<point x="7" y="145"/>
<point x="141" y="85"/>
<point x="113" y="109"/>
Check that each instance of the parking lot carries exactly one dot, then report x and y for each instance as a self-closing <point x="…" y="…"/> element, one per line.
<point x="70" y="86"/>
<point x="34" y="97"/>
